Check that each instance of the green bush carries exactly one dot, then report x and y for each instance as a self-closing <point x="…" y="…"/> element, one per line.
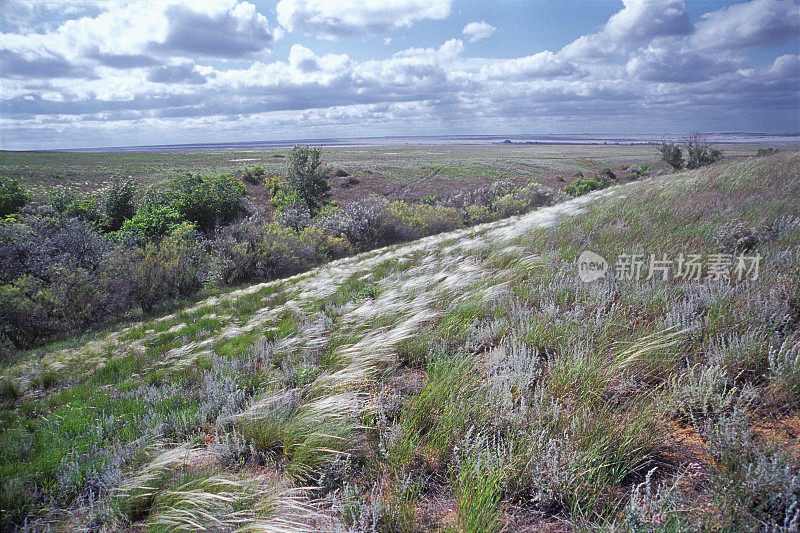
<point x="224" y="199"/>
<point x="305" y="177"/>
<point x="60" y="198"/>
<point x="584" y="185"/>
<point x="607" y="173"/>
<point x="255" y="175"/>
<point x="67" y="203"/>
<point x="429" y="199"/>
<point x="522" y="200"/>
<point x="478" y="214"/>
<point x="412" y="221"/>
<point x="207" y="202"/>
<point x="12" y="196"/>
<point x="85" y="208"/>
<point x="118" y="203"/>
<point x="151" y="223"/>
<point x="672" y="154"/>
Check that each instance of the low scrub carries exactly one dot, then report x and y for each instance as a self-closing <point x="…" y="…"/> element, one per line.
<point x="583" y="185"/>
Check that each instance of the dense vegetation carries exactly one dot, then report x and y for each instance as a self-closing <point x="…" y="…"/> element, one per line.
<point x="466" y="382"/>
<point x="76" y="260"/>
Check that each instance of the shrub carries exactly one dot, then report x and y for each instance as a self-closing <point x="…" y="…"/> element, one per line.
<point x="584" y="185"/>
<point x="486" y="196"/>
<point x="608" y="173"/>
<point x="672" y="154"/>
<point x="254" y="175"/>
<point x="273" y="185"/>
<point x="754" y="484"/>
<point x="304" y="176"/>
<point x="411" y="221"/>
<point x="362" y="223"/>
<point x="60" y="198"/>
<point x="523" y="200"/>
<point x="207" y="202"/>
<point x="699" y="152"/>
<point x="12" y="196"/>
<point x="50" y="278"/>
<point x="68" y="203"/>
<point x="256" y="249"/>
<point x="225" y="198"/>
<point x="429" y="199"/>
<point x="85" y="208"/>
<point x="283" y="252"/>
<point x="294" y="214"/>
<point x="766" y="151"/>
<point x="784" y="370"/>
<point x="168" y="269"/>
<point x="118" y="203"/>
<point x="151" y="223"/>
<point x="478" y="214"/>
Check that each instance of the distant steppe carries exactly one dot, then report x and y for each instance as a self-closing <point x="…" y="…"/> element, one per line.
<point x="398" y="164"/>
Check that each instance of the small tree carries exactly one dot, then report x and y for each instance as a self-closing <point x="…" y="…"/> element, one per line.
<point x="699" y="152"/>
<point x="304" y="177"/>
<point x="672" y="154"/>
<point x="118" y="203"/>
<point x="12" y="196"/>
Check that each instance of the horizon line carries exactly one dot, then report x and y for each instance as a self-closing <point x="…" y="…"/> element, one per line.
<point x="334" y="141"/>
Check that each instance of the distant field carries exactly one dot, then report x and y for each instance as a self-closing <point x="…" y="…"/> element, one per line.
<point x="399" y="164"/>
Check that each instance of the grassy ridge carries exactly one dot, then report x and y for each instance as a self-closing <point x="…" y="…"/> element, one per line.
<point x="467" y="381"/>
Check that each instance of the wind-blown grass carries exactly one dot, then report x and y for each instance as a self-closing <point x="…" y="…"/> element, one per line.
<point x="477" y="385"/>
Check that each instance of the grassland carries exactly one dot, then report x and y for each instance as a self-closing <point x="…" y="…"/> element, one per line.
<point x="89" y="172"/>
<point x="464" y="382"/>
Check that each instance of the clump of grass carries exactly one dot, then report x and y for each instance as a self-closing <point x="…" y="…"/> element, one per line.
<point x="9" y="388"/>
<point x="265" y="423"/>
<point x="433" y="420"/>
<point x="754" y="484"/>
<point x="310" y="436"/>
<point x="479" y="477"/>
<point x="700" y="393"/>
<point x="137" y="495"/>
<point x="321" y="432"/>
<point x="205" y="502"/>
<point x="784" y="371"/>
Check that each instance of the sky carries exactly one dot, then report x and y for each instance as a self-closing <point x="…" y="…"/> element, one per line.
<point x="96" y="74"/>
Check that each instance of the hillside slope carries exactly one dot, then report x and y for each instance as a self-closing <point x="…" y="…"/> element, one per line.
<point x="468" y="380"/>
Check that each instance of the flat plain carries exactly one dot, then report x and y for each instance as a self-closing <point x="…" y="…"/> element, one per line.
<point x="398" y="165"/>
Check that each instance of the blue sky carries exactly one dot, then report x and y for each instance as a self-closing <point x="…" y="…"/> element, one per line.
<point x="88" y="74"/>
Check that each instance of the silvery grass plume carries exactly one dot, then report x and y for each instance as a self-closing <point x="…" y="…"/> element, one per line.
<point x="136" y="495"/>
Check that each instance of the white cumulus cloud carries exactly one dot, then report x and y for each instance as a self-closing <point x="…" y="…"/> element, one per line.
<point x="759" y="23"/>
<point x="637" y="21"/>
<point x="331" y="19"/>
<point x="475" y="31"/>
